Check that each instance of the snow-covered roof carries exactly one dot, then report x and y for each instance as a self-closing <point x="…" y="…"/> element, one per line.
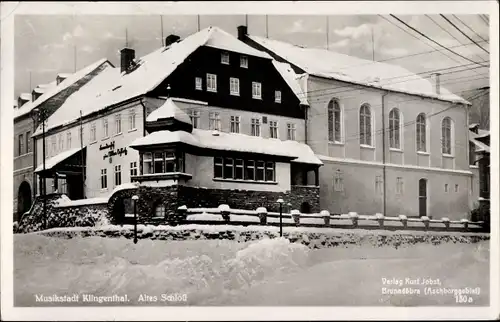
<point x="301" y="153"/>
<point x="114" y="87"/>
<point x="291" y="78"/>
<point x="168" y="110"/>
<point x="53" y="161"/>
<point x="51" y="91"/>
<point x="473" y="125"/>
<point x="329" y="64"/>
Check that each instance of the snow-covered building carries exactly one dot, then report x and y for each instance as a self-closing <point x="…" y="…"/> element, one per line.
<point x="391" y="141"/>
<point x="46" y="97"/>
<point x="207" y="116"/>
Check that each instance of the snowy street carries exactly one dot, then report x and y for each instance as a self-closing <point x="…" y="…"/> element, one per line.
<point x="223" y="272"/>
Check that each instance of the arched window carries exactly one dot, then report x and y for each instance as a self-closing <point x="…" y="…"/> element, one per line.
<point x="446" y="136"/>
<point x="394" y="129"/>
<point x="334" y="121"/>
<point x="365" y="125"/>
<point x="421" y="133"/>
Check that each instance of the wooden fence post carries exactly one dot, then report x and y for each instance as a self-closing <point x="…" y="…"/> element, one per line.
<point x="326" y="217"/>
<point x="404" y="221"/>
<point x="262" y="212"/>
<point x="425" y="220"/>
<point x="354" y="217"/>
<point x="296" y="216"/>
<point x="446" y="222"/>
<point x="225" y="211"/>
<point x="380" y="219"/>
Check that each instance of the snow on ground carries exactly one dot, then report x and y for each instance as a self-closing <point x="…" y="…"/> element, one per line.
<point x="222" y="272"/>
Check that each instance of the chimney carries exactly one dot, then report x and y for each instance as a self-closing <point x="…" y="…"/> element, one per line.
<point x="171" y="39"/>
<point x="127" y="56"/>
<point x="242" y="32"/>
<point x="436" y="83"/>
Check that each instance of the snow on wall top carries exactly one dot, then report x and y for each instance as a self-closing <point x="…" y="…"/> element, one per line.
<point x="25" y="96"/>
<point x="329" y="64"/>
<point x="53" y="161"/>
<point x="168" y="110"/>
<point x="153" y="69"/>
<point x="232" y="142"/>
<point x="480" y="146"/>
<point x="26" y="108"/>
<point x="291" y="79"/>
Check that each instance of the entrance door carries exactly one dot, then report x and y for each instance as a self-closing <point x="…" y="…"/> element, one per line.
<point x="422" y="197"/>
<point x="23" y="199"/>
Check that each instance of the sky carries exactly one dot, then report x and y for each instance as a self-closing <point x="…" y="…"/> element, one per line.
<point x="45" y="45"/>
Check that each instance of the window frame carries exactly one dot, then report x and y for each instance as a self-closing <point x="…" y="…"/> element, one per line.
<point x="118" y="175"/>
<point x="235" y="124"/>
<point x="395" y="130"/>
<point x="277" y="98"/>
<point x="338" y="181"/>
<point x="133" y="169"/>
<point x="243" y="58"/>
<point x="198" y="83"/>
<point x="421" y="125"/>
<point x="291" y="131"/>
<point x="194" y="116"/>
<point x="68" y="139"/>
<point x="335" y="117"/>
<point x="93" y="132"/>
<point x="105" y="128"/>
<point x="447" y="148"/>
<point x="224" y="55"/>
<point x="257" y="90"/>
<point x="365" y="113"/>
<point x="28" y="142"/>
<point x="20" y="144"/>
<point x="255" y="127"/>
<point x="234" y="90"/>
<point x="273" y="125"/>
<point x="211" y="80"/>
<point x="214" y="121"/>
<point x="104" y="179"/>
<point x="132" y="120"/>
<point x="118" y="124"/>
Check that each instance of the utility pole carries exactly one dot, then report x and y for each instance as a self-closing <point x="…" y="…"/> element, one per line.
<point x="74" y="59"/>
<point x="267" y="27"/>
<point x="246" y="21"/>
<point x="373" y="46"/>
<point x="161" y="24"/>
<point x="327" y="33"/>
<point x="82" y="155"/>
<point x="199" y="24"/>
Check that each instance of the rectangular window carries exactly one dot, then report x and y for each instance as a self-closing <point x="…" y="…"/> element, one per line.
<point x="158" y="162"/>
<point x="235" y="124"/>
<point x="234" y="86"/>
<point x="68" y="139"/>
<point x="61" y="142"/>
<point x="456" y="188"/>
<point x="198" y="83"/>
<point x="224" y="58"/>
<point x="238" y="169"/>
<point x="260" y="170"/>
<point x="244" y="61"/>
<point x="256" y="90"/>
<point x="218" y="167"/>
<point x="53" y="151"/>
<point x="211" y="83"/>
<point x="445" y="187"/>
<point x="378" y="184"/>
<point x="195" y="118"/>
<point x="21" y="144"/>
<point x="93" y="136"/>
<point x="291" y="131"/>
<point x="131" y="120"/>
<point x="399" y="185"/>
<point x="214" y="121"/>
<point x="104" y="178"/>
<point x="338" y="181"/>
<point x="277" y="96"/>
<point x="118" y="124"/>
<point x="255" y="127"/>
<point x="28" y="142"/>
<point x="270" y="171"/>
<point x="105" y="131"/>
<point x="118" y="175"/>
<point x="133" y="169"/>
<point x="273" y="129"/>
<point x="147" y="163"/>
<point x="228" y="168"/>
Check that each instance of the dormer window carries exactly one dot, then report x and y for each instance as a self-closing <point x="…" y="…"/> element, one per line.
<point x="277" y="96"/>
<point x="244" y="61"/>
<point x="224" y="58"/>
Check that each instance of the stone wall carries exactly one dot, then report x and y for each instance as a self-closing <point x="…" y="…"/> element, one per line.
<point x="311" y="238"/>
<point x="249" y="200"/>
<point x="77" y="216"/>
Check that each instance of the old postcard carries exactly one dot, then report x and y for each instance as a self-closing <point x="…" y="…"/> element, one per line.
<point x="247" y="161"/>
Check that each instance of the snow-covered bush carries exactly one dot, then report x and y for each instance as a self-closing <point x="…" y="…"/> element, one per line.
<point x="262" y="215"/>
<point x="225" y="212"/>
<point x="296" y="216"/>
